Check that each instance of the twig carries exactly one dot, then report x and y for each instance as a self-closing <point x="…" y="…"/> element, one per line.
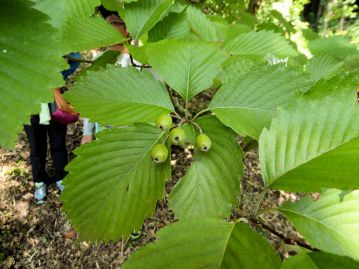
<point x="196" y="125"/>
<point x="175" y="102"/>
<point x="200" y="113"/>
<point x="138" y="66"/>
<point x="263" y="194"/>
<point x="285" y="239"/>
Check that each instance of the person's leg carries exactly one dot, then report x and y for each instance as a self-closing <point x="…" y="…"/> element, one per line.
<point x="37" y="135"/>
<point x="57" y="135"/>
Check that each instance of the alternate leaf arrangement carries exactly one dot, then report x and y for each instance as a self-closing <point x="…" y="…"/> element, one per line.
<point x="304" y="116"/>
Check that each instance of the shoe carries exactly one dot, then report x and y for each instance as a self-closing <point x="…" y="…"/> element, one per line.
<point x="60" y="185"/>
<point x="40" y="192"/>
<point x="135" y="235"/>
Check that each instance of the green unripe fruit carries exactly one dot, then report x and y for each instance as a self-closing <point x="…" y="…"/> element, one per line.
<point x="164" y="122"/>
<point x="177" y="136"/>
<point x="203" y="142"/>
<point x="159" y="153"/>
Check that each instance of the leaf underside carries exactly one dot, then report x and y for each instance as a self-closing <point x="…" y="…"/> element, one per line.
<point x="187" y="66"/>
<point x="120" y="96"/>
<point x="28" y="72"/>
<point x="113" y="184"/>
<point x="206" y="243"/>
<point x="212" y="183"/>
<point x="331" y="223"/>
<point x="246" y="102"/>
<point x="319" y="260"/>
<point x="314" y="143"/>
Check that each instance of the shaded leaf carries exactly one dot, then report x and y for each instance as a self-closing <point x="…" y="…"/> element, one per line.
<point x="84" y="33"/>
<point x="28" y="72"/>
<point x="174" y="26"/>
<point x="319" y="260"/>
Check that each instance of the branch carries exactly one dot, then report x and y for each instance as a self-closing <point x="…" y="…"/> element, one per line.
<point x="175" y="101"/>
<point x="285" y="239"/>
<point x="138" y="66"/>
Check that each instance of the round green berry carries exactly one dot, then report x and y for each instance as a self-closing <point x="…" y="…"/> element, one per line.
<point x="177" y="136"/>
<point x="159" y="153"/>
<point x="203" y="142"/>
<point x="164" y="122"/>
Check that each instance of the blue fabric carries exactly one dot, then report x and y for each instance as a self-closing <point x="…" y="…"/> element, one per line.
<point x="73" y="65"/>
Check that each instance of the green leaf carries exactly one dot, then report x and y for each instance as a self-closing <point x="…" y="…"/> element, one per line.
<point x="200" y="24"/>
<point x="174" y="26"/>
<point x="314" y="143"/>
<point x="212" y="183"/>
<point x="108" y="57"/>
<point x="113" y="5"/>
<point x="84" y="33"/>
<point x="286" y="24"/>
<point x="238" y="64"/>
<point x="61" y="10"/>
<point x="247" y="102"/>
<point x="120" y="96"/>
<point x="324" y="66"/>
<point x="336" y="46"/>
<point x="187" y="66"/>
<point x="226" y="33"/>
<point x="206" y="244"/>
<point x="139" y="53"/>
<point x="330" y="224"/>
<point x="260" y="43"/>
<point x="28" y="71"/>
<point x="141" y="16"/>
<point x="319" y="260"/>
<point x="113" y="184"/>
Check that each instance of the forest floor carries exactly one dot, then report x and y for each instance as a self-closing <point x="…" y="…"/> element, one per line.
<point x="41" y="237"/>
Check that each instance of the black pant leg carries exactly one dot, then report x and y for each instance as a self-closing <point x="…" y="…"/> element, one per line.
<point x="37" y="135"/>
<point x="57" y="135"/>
